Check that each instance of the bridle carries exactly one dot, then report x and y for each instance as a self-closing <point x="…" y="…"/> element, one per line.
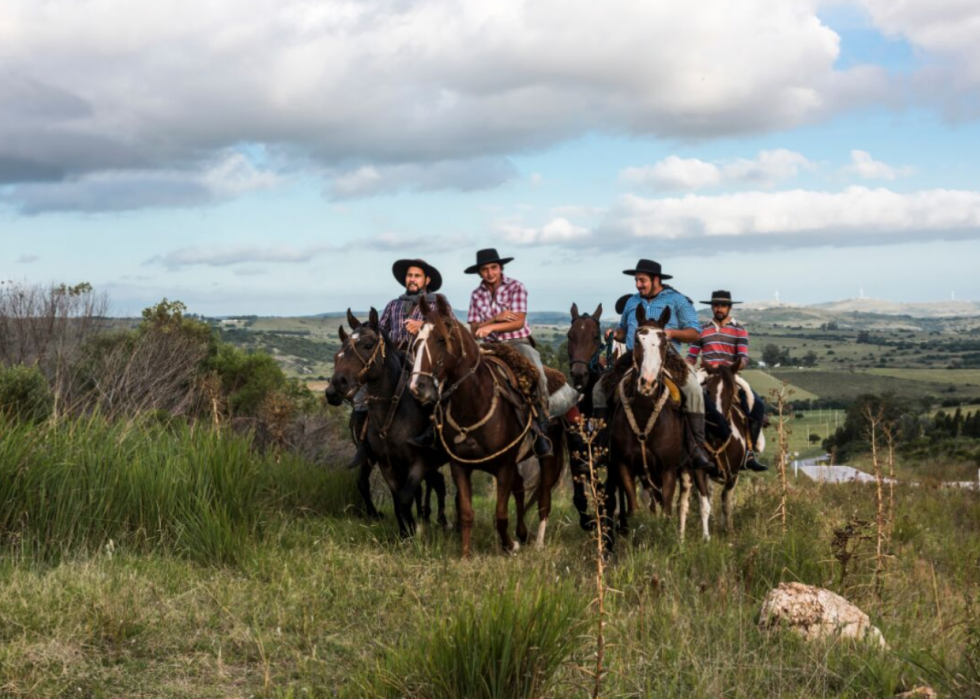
<point x="370" y="361"/>
<point x="456" y="332"/>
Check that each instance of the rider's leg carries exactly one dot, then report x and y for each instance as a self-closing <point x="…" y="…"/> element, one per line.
<point x="542" y="444"/>
<point x="755" y="416"/>
<point x="358" y="423"/>
<point x="693" y="407"/>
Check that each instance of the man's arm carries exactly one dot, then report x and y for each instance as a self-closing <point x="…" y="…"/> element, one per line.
<point x="687" y="318"/>
<point x="742" y="348"/>
<point x="495" y="326"/>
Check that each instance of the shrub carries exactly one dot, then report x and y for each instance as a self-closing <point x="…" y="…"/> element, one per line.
<point x="25" y="394"/>
<point x="508" y="645"/>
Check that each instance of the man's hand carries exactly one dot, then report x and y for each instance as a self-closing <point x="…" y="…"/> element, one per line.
<point x="482" y="332"/>
<point x="505" y="317"/>
<point x="413" y="326"/>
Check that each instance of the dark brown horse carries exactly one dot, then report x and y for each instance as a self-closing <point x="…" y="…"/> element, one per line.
<point x="647" y="430"/>
<point x="482" y="422"/>
<point x="368" y="358"/>
<point x="730" y="449"/>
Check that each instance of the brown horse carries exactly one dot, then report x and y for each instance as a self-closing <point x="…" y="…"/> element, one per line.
<point x="647" y="431"/>
<point x="729" y="449"/>
<point x="482" y="422"/>
<point x="368" y="358"/>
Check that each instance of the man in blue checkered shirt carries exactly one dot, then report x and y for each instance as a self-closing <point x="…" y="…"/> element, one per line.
<point x="683" y="326"/>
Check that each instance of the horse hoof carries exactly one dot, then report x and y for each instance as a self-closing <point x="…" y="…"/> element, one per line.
<point x="587" y="525"/>
<point x="375" y="516"/>
<point x="514" y="548"/>
<point x="442" y="522"/>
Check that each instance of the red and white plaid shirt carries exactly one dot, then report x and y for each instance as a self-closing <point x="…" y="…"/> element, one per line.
<point x="511" y="296"/>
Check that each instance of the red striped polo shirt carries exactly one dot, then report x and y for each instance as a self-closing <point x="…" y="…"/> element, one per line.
<point x="721" y="344"/>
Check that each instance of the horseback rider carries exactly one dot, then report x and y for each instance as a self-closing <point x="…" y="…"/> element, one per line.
<point x="683" y="326"/>
<point x="498" y="313"/>
<point x="726" y="341"/>
<point x="401" y="320"/>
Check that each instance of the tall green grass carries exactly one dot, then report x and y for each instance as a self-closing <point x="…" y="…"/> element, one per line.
<point x="508" y="644"/>
<point x="87" y="484"/>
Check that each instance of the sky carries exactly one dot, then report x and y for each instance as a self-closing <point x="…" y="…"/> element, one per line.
<point x="274" y="157"/>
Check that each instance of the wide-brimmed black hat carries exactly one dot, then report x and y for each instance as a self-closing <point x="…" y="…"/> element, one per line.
<point x="621" y="303"/>
<point x="721" y="296"/>
<point x="487" y="256"/>
<point x="400" y="269"/>
<point x="647" y="267"/>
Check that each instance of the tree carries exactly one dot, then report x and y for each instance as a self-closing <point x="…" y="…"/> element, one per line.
<point x="771" y="354"/>
<point x="809" y="359"/>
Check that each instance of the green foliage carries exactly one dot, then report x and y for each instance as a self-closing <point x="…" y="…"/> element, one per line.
<point x="246" y="378"/>
<point x="25" y="394"/>
<point x="80" y="485"/>
<point x="507" y="645"/>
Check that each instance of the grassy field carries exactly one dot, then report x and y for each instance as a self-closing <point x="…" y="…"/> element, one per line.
<point x="847" y="385"/>
<point x="960" y="377"/>
<point x="316" y="603"/>
<point x="763" y="382"/>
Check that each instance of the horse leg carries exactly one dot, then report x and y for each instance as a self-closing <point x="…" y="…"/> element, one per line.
<point x="670" y="482"/>
<point x="364" y="487"/>
<point x="518" y="491"/>
<point x="685" y="503"/>
<point x="704" y="495"/>
<point x="627" y="500"/>
<point x="464" y="504"/>
<point x="728" y="503"/>
<point x="585" y="519"/>
<point x="606" y="503"/>
<point x="420" y="504"/>
<point x="403" y="512"/>
<point x="435" y="481"/>
<point x="410" y="492"/>
<point x="505" y="486"/>
<point x="550" y="473"/>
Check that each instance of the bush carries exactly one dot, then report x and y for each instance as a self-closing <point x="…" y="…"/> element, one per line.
<point x="25" y="394"/>
<point x="509" y="645"/>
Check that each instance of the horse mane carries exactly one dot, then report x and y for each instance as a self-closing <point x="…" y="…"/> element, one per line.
<point x="676" y="366"/>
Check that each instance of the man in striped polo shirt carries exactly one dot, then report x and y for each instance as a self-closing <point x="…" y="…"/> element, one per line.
<point x="725" y="341"/>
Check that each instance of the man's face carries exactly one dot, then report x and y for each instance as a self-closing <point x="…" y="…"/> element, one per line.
<point x="644" y="284"/>
<point x="415" y="280"/>
<point x="491" y="273"/>
<point x="720" y="311"/>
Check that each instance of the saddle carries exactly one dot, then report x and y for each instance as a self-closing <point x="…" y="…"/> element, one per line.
<point x="519" y="372"/>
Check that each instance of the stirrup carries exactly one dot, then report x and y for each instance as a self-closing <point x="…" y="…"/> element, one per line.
<point x="360" y="456"/>
<point x="542" y="447"/>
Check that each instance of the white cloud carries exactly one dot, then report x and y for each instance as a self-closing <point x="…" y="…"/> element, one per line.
<point x="947" y="33"/>
<point x="111" y="85"/>
<point x="122" y="190"/>
<point x="468" y="175"/>
<point x="866" y="167"/>
<point x="239" y="254"/>
<point x="681" y="174"/>
<point x="556" y="231"/>
<point x="27" y="259"/>
<point x="797" y="218"/>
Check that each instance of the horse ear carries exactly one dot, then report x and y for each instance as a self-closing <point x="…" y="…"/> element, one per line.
<point x="664" y="318"/>
<point x="442" y="305"/>
<point x="342" y="333"/>
<point x="641" y="314"/>
<point x="737" y="366"/>
<point x="373" y="317"/>
<point x="353" y="322"/>
<point x="424" y="306"/>
<point x="598" y="312"/>
<point x="709" y="369"/>
<point x="575" y="313"/>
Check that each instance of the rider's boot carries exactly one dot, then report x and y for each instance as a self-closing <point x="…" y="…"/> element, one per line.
<point x="363" y="452"/>
<point x="542" y="444"/>
<point x="699" y="458"/>
<point x="752" y="463"/>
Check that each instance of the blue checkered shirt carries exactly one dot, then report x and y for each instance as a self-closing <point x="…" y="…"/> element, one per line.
<point x="682" y="313"/>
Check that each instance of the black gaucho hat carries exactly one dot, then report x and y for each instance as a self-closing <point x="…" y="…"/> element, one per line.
<point x="621" y="303"/>
<point x="400" y="269"/>
<point x="488" y="256"/>
<point x="721" y="296"/>
<point x="647" y="267"/>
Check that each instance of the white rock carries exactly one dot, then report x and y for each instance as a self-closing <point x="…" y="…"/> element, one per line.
<point x="922" y="692"/>
<point x="816" y="613"/>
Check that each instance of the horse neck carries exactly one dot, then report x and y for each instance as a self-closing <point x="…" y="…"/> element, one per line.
<point x="385" y="385"/>
<point x="473" y="394"/>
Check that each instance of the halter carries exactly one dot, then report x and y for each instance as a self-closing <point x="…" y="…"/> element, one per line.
<point x="642" y="434"/>
<point x="592" y="364"/>
<point x="369" y="362"/>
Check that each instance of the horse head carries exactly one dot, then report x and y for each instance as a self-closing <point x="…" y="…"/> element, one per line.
<point x="650" y="347"/>
<point x="361" y="358"/>
<point x="438" y="348"/>
<point x="584" y="345"/>
<point x="721" y="386"/>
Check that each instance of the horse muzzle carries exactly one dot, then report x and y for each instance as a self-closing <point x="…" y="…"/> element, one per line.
<point x="424" y="389"/>
<point x="646" y="386"/>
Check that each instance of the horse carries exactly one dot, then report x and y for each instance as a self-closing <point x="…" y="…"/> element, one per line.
<point x="728" y="446"/>
<point x="647" y="431"/>
<point x="585" y="349"/>
<point x="481" y="420"/>
<point x="368" y="358"/>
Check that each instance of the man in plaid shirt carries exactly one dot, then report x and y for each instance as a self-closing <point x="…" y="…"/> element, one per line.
<point x="498" y="313"/>
<point x="401" y="320"/>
